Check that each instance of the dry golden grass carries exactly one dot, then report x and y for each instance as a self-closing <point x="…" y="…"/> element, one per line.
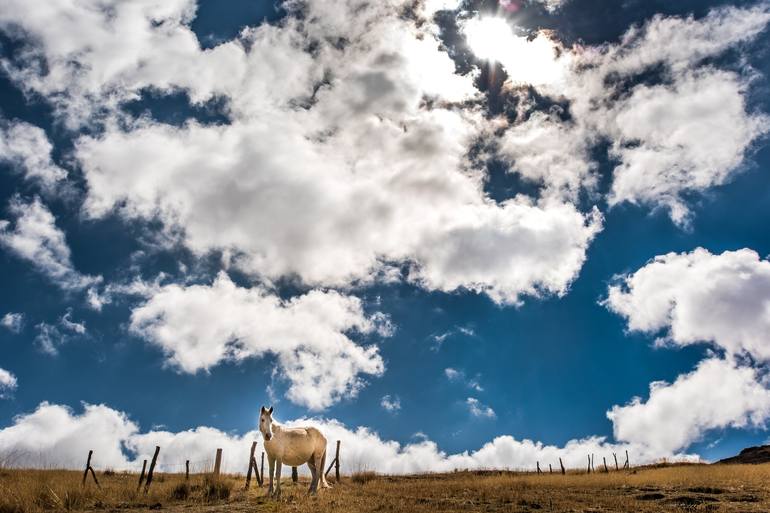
<point x="724" y="488"/>
<point x="33" y="491"/>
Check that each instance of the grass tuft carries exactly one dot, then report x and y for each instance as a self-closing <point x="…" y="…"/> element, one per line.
<point x="363" y="476"/>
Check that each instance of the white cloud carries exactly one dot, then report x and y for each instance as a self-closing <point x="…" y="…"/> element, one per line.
<point x="391" y="403"/>
<point x="200" y="326"/>
<point x="682" y="42"/>
<point x="51" y="336"/>
<point x="73" y="326"/>
<point x="8" y="383"/>
<point x="700" y="297"/>
<point x="552" y="5"/>
<point x="349" y="217"/>
<point x="90" y="47"/>
<point x="55" y="436"/>
<point x="688" y="136"/>
<point x="13" y="322"/>
<point x="27" y="148"/>
<point x="546" y="151"/>
<point x="52" y="436"/>
<point x="36" y="239"/>
<point x="459" y="376"/>
<point x="716" y="395"/>
<point x="478" y="409"/>
<point x="686" y="133"/>
<point x="439" y="338"/>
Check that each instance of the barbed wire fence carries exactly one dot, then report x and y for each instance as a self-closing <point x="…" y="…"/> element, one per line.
<point x="207" y="466"/>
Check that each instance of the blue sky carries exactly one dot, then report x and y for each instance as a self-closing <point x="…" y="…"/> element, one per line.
<point x="241" y="204"/>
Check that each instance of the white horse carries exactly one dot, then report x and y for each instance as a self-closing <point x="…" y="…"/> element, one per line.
<point x="293" y="447"/>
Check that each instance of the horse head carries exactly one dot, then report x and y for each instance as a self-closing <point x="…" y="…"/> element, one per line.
<point x="266" y="422"/>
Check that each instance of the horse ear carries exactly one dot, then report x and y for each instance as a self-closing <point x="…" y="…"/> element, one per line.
<point x="262" y="409"/>
<point x="270" y="411"/>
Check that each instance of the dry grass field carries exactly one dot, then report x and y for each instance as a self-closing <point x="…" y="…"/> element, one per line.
<point x="727" y="488"/>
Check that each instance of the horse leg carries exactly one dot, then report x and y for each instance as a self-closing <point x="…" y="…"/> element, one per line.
<point x="314" y="473"/>
<point x="271" y="469"/>
<point x="319" y="463"/>
<point x="324" y="484"/>
<point x="277" y="478"/>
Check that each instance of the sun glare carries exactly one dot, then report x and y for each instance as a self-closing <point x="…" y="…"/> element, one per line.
<point x="488" y="37"/>
<point x="533" y="61"/>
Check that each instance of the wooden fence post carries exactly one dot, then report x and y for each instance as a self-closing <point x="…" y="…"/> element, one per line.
<point x="141" y="476"/>
<point x="152" y="469"/>
<point x="538" y="468"/>
<point x="337" y="462"/>
<point x="187" y="470"/>
<point x="88" y="465"/>
<point x="589" y="463"/>
<point x="550" y="469"/>
<point x="217" y="463"/>
<point x="251" y="465"/>
<point x="626" y="464"/>
<point x="261" y="470"/>
<point x="563" y="470"/>
<point x="91" y="469"/>
<point x="606" y="470"/>
<point x="616" y="461"/>
<point x="294" y="475"/>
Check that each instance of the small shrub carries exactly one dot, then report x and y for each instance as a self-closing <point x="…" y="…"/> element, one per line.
<point x="363" y="476"/>
<point x="216" y="489"/>
<point x="180" y="492"/>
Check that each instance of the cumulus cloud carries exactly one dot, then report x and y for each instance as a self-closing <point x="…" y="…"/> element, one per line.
<point x="716" y="395"/>
<point x="8" y="383"/>
<point x="684" y="132"/>
<point x="36" y="239"/>
<point x="690" y="132"/>
<point x="14" y="322"/>
<point x="391" y="403"/>
<point x="27" y="148"/>
<point x="56" y="436"/>
<point x="200" y="326"/>
<point x="688" y="136"/>
<point x="691" y="298"/>
<point x="387" y="95"/>
<point x="700" y="297"/>
<point x="340" y="225"/>
<point x="90" y="47"/>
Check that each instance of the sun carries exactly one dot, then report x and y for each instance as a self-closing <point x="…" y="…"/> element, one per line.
<point x="489" y="37"/>
<point x="535" y="61"/>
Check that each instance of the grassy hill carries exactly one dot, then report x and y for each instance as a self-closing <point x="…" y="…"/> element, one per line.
<point x="724" y="488"/>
